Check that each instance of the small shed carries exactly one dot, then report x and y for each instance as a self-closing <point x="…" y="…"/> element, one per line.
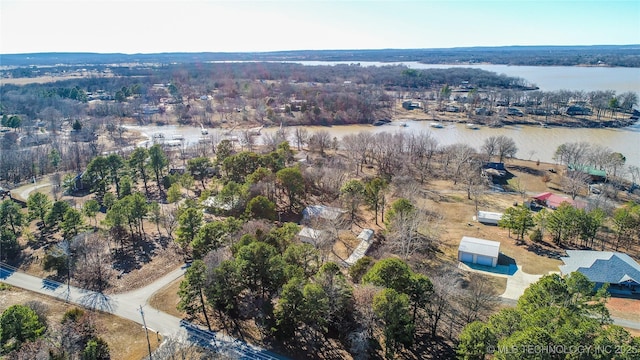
<point x="478" y="251"/>
<point x="486" y="217"/>
<point x="311" y="236"/>
<point x="366" y="239"/>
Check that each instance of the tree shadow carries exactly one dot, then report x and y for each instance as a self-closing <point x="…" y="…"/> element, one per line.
<point x="97" y="301"/>
<point x="541" y="251"/>
<point x="124" y="261"/>
<point x="428" y="347"/>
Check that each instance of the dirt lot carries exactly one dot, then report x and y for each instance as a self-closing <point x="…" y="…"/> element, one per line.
<point x="126" y="339"/>
<point x="458" y="212"/>
<point x="625" y="308"/>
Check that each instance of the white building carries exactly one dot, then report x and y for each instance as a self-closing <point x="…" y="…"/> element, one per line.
<point x="487" y="217"/>
<point x="478" y="251"/>
<point x="366" y="239"/>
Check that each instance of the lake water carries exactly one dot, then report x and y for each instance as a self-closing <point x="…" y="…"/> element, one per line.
<point x="547" y="78"/>
<point x="534" y="142"/>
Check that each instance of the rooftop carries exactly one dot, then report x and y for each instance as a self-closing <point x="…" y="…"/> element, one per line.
<point x="602" y="266"/>
<point x="479" y="246"/>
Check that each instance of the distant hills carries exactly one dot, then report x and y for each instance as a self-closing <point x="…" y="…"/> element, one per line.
<point x="597" y="55"/>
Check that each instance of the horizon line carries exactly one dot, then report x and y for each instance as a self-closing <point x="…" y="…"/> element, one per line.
<point x="320" y="50"/>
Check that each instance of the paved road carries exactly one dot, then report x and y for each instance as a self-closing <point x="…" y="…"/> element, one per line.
<point x="127" y="305"/>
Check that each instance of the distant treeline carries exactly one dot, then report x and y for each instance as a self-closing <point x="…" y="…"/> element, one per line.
<point x="606" y="55"/>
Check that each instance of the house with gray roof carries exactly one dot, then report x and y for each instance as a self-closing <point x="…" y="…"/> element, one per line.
<point x="322" y="214"/>
<point x="619" y="270"/>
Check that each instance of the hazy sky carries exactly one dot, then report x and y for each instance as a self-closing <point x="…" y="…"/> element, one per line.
<point x="144" y="26"/>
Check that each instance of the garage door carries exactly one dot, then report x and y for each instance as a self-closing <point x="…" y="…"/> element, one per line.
<point x="466" y="257"/>
<point x="484" y="260"/>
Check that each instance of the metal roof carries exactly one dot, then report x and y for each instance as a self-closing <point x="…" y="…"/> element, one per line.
<point x="602" y="266"/>
<point x="479" y="246"/>
<point x="489" y="215"/>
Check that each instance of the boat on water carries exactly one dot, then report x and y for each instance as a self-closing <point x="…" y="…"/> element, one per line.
<point x="473" y="126"/>
<point x="436" y="125"/>
<point x="381" y="122"/>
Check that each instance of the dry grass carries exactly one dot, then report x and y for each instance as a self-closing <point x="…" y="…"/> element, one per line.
<point x="458" y="215"/>
<point x="166" y="299"/>
<point x="126" y="339"/>
<point x="628" y="309"/>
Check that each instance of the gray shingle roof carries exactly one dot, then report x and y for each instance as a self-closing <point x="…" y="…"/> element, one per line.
<point x="602" y="266"/>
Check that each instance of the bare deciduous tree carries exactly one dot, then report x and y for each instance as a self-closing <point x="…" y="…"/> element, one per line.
<point x="407" y="235"/>
<point x="302" y="137"/>
<point x="92" y="261"/>
<point x="477" y="300"/>
<point x="320" y="141"/>
<point x="574" y="182"/>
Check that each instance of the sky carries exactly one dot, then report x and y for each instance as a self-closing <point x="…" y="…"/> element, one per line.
<point x="150" y="26"/>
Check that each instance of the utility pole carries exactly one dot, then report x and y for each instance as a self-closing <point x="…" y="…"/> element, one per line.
<point x="146" y="331"/>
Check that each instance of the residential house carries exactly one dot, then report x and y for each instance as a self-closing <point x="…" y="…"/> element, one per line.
<point x="554" y="201"/>
<point x="619" y="270"/>
<point x="315" y="214"/>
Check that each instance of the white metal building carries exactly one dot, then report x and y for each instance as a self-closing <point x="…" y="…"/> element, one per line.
<point x="311" y="236"/>
<point x="487" y="217"/>
<point x="478" y="251"/>
<point x="366" y="239"/>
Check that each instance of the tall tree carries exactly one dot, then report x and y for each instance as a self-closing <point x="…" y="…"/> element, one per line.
<point x="199" y="168"/>
<point x="519" y="219"/>
<point x="90" y="209"/>
<point x="56" y="214"/>
<point x="339" y="295"/>
<point x="391" y="273"/>
<point x="189" y="224"/>
<point x="138" y="164"/>
<point x="157" y="161"/>
<point x="506" y="147"/>
<point x="292" y="182"/>
<point x="98" y="175"/>
<point x="392" y="308"/>
<point x="353" y="193"/>
<point x="115" y="167"/>
<point x="71" y="223"/>
<point x="191" y="291"/>
<point x="38" y="205"/>
<point x="261" y="268"/>
<point x="289" y="309"/>
<point x="375" y="194"/>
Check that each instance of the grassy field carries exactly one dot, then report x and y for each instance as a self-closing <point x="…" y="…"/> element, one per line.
<point x="126" y="339"/>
